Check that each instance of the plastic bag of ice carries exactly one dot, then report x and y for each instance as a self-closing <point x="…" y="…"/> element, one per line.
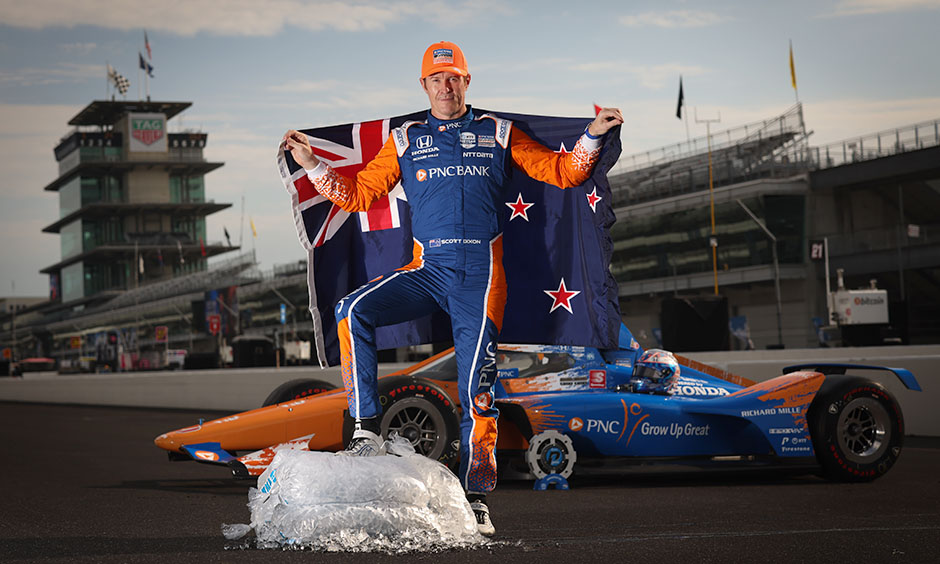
<point x="403" y="502"/>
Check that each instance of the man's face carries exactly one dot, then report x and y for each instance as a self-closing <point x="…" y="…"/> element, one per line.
<point x="447" y="93"/>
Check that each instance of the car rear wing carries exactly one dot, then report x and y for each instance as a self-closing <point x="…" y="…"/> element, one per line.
<point x="904" y="375"/>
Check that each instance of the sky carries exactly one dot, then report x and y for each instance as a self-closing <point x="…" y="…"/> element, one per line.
<point x="253" y="69"/>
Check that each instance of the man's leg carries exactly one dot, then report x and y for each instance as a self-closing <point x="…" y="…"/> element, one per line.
<point x="396" y="297"/>
<point x="476" y="310"/>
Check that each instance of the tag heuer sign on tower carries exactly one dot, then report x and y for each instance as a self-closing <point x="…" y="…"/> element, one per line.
<point x="147" y="133"/>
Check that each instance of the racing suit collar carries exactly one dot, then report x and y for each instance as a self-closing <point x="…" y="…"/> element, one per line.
<point x="443" y="125"/>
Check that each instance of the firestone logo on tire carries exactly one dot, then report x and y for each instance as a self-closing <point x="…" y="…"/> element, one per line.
<point x="421" y="175"/>
<point x="576" y="424"/>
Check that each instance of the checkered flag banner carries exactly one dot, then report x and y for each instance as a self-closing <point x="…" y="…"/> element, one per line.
<point x="121" y="83"/>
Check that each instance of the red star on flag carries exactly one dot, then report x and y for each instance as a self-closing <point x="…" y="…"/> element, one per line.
<point x="593" y="198"/>
<point x="519" y="208"/>
<point x="562" y="297"/>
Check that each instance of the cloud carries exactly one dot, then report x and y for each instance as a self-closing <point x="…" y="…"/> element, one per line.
<point x="651" y="125"/>
<point x="78" y="48"/>
<point x="27" y="249"/>
<point x="59" y="74"/>
<point x="866" y="7"/>
<point x="304" y="86"/>
<point x="344" y="103"/>
<point x="839" y="120"/>
<point x="653" y="77"/>
<point x="673" y="19"/>
<point x="240" y="17"/>
<point x="29" y="134"/>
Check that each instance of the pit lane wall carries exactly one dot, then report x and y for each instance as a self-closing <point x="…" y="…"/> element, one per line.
<point x="230" y="390"/>
<point x="921" y="409"/>
<point x="233" y="390"/>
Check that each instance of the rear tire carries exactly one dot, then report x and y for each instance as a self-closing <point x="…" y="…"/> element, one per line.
<point x="297" y="389"/>
<point x="857" y="429"/>
<point x="420" y="411"/>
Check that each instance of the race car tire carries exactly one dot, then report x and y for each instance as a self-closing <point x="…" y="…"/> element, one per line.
<point x="420" y="411"/>
<point x="857" y="429"/>
<point x="297" y="389"/>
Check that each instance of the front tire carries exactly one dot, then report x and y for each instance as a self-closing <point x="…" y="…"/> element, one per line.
<point x="857" y="429"/>
<point x="297" y="389"/>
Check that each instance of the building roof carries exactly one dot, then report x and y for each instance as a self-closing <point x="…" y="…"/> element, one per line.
<point x="126" y="251"/>
<point x="107" y="112"/>
<point x="109" y="209"/>
<point x="95" y="167"/>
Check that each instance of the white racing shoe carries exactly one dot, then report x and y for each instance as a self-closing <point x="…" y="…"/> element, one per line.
<point x="364" y="443"/>
<point x="482" y="514"/>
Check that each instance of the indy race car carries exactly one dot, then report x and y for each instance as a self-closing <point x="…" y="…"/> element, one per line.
<point x="562" y="405"/>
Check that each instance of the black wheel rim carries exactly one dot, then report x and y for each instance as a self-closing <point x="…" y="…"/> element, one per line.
<point x="419" y="421"/>
<point x="864" y="430"/>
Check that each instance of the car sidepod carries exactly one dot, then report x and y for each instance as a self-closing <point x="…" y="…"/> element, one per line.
<point x="764" y="419"/>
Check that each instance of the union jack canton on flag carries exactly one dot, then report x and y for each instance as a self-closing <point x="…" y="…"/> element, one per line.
<point x="556" y="243"/>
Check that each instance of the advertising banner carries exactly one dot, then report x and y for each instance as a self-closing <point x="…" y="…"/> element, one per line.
<point x="223" y="303"/>
<point x="147" y="133"/>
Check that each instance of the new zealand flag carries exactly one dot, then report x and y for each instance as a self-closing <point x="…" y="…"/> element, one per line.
<point x="556" y="243"/>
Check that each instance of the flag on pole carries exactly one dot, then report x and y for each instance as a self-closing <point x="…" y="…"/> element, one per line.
<point x="681" y="99"/>
<point x="179" y="247"/>
<point x="147" y="46"/>
<point x="145" y="66"/>
<point x="227" y="236"/>
<point x="597" y="109"/>
<point x="558" y="259"/>
<point x="792" y="67"/>
<point x="254" y="232"/>
<point x="202" y="246"/>
<point x="121" y="83"/>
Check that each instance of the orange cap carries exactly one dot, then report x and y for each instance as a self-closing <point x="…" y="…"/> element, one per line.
<point x="444" y="56"/>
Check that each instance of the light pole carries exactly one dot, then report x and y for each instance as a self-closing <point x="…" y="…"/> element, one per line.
<point x="713" y="240"/>
<point x="13" y="300"/>
<point x="773" y="247"/>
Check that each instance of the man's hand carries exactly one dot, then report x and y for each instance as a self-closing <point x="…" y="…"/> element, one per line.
<point x="296" y="142"/>
<point x="606" y="119"/>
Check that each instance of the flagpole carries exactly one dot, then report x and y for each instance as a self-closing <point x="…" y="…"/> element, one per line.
<point x="688" y="139"/>
<point x="241" y="224"/>
<point x="713" y="240"/>
<point x="146" y="45"/>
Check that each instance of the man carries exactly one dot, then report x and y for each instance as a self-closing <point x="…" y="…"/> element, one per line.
<point x="454" y="168"/>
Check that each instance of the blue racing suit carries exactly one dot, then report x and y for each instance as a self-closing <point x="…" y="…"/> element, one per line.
<point x="454" y="174"/>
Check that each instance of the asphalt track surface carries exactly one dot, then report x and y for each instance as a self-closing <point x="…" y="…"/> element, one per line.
<point x="86" y="484"/>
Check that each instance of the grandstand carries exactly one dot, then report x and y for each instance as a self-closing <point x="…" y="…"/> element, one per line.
<point x="873" y="197"/>
<point x="775" y="148"/>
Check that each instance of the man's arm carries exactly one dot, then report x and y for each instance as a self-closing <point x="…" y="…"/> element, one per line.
<point x="564" y="170"/>
<point x="352" y="194"/>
